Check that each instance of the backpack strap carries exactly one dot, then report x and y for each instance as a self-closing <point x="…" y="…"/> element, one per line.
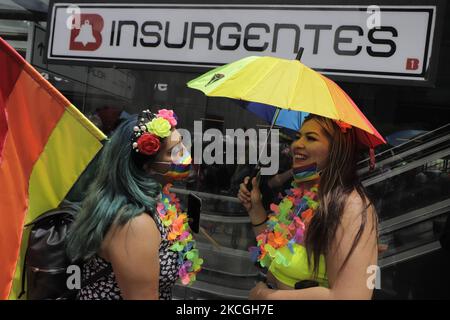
<point x="23" y="275"/>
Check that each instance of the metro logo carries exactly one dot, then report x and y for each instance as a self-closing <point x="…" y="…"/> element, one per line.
<point x="412" y="64"/>
<point x="88" y="37"/>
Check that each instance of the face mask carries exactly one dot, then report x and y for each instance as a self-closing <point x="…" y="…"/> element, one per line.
<point x="305" y="173"/>
<point x="180" y="169"/>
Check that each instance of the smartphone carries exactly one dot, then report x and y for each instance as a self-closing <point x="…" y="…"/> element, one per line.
<point x="256" y="172"/>
<point x="193" y="212"/>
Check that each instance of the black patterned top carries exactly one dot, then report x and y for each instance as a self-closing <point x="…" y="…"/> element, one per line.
<point x="106" y="288"/>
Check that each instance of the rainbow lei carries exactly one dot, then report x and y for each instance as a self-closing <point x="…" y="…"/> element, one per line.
<point x="176" y="222"/>
<point x="286" y="226"/>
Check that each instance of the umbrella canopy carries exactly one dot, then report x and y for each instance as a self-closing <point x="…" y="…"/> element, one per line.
<point x="286" y="84"/>
<point x="289" y="119"/>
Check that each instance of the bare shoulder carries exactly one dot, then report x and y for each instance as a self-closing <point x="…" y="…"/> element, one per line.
<point x="356" y="208"/>
<point x="134" y="254"/>
<point x="140" y="229"/>
<point x="143" y="225"/>
<point x="353" y="250"/>
<point x="355" y="200"/>
<point x="356" y="232"/>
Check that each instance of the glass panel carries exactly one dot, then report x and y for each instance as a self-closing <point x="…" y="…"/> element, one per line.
<point x="420" y="268"/>
<point x="414" y="189"/>
<point x="414" y="236"/>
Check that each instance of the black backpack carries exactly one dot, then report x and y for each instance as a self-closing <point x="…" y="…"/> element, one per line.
<point x="46" y="261"/>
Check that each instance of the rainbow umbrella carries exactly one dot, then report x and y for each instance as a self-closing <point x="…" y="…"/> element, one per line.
<point x="286" y="84"/>
<point x="290" y="119"/>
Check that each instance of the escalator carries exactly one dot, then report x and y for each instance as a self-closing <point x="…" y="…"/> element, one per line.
<point x="411" y="191"/>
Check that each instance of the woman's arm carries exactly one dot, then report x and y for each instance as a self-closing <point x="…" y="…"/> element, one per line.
<point x="351" y="282"/>
<point x="258" y="217"/>
<point x="252" y="203"/>
<point x="133" y="250"/>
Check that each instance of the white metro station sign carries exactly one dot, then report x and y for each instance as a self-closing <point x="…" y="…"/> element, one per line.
<point x="394" y="42"/>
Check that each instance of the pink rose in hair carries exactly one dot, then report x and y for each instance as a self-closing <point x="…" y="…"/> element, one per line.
<point x="168" y="115"/>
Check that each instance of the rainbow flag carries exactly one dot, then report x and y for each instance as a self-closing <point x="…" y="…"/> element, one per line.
<point x="45" y="144"/>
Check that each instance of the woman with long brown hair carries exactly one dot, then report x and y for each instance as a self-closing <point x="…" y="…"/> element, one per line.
<point x="322" y="236"/>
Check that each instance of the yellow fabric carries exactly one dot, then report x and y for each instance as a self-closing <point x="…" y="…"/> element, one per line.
<point x="71" y="146"/>
<point x="298" y="269"/>
<point x="283" y="83"/>
<point x="207" y="86"/>
<point x="67" y="153"/>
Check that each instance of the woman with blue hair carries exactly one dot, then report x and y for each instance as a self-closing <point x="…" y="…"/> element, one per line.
<point x="131" y="231"/>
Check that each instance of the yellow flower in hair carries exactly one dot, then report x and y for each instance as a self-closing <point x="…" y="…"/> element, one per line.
<point x="160" y="127"/>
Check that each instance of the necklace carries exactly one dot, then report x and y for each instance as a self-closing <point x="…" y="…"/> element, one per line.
<point x="286" y="225"/>
<point x="176" y="222"/>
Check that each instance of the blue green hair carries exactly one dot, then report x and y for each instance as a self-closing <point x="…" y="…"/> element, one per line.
<point x="120" y="191"/>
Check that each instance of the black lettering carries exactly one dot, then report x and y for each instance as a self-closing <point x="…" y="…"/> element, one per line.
<point x="387" y="42"/>
<point x="278" y="27"/>
<point x="338" y="39"/>
<point x="127" y="23"/>
<point x="208" y="35"/>
<point x="175" y="45"/>
<point x="113" y="29"/>
<point x="235" y="36"/>
<point x="317" y="28"/>
<point x="249" y="36"/>
<point x="151" y="34"/>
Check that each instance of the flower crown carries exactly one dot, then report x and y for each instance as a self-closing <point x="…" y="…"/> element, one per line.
<point x="150" y="129"/>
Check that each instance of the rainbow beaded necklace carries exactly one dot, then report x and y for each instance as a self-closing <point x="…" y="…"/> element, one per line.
<point x="179" y="234"/>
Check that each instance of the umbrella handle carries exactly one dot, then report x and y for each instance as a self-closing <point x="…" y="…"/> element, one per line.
<point x="257" y="170"/>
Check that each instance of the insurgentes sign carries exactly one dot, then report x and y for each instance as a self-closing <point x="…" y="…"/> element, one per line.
<point x="386" y="42"/>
